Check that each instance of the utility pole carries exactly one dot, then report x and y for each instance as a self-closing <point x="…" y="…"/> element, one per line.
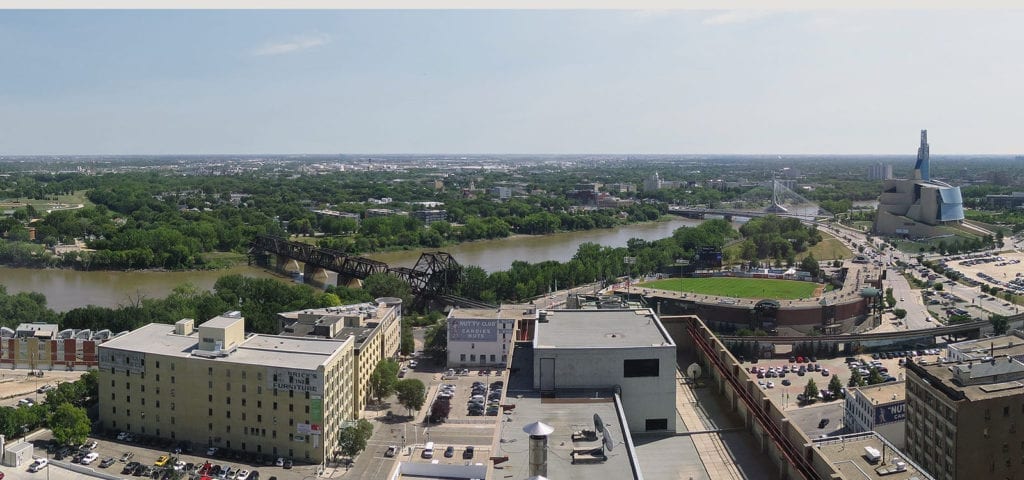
<point x="629" y="261"/>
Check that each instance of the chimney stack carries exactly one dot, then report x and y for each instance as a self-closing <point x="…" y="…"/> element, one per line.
<point x="538" y="432"/>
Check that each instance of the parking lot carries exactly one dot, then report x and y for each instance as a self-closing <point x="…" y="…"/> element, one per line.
<point x="786" y="395"/>
<point x="147" y="452"/>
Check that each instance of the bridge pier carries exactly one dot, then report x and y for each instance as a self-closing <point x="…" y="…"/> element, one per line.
<point x="314" y="275"/>
<point x="287" y="265"/>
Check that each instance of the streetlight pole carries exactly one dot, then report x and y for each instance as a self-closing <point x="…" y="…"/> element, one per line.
<point x="629" y="261"/>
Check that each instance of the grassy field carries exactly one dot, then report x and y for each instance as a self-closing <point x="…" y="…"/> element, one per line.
<point x="910" y="246"/>
<point x="73" y="199"/>
<point x="738" y="287"/>
<point x="829" y="248"/>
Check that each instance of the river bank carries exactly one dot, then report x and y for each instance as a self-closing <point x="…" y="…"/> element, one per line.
<point x="68" y="289"/>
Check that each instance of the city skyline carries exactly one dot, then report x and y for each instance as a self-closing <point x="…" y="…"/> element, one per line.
<point x="530" y="82"/>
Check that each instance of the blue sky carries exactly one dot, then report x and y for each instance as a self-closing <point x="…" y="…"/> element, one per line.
<point x="154" y="82"/>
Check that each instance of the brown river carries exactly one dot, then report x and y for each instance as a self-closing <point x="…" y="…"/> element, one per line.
<point x="68" y="289"/>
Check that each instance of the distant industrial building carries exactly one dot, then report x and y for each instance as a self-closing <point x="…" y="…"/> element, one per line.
<point x="430" y="216"/>
<point x="1013" y="200"/>
<point x="961" y="419"/>
<point x="879" y="408"/>
<point x="914" y="207"/>
<point x="655" y="182"/>
<point x="219" y="386"/>
<point x="501" y="193"/>
<point x="628" y="350"/>
<point x="880" y="171"/>
<point x="480" y="337"/>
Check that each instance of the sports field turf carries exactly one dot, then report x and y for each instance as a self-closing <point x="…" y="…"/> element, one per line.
<point x="738" y="287"/>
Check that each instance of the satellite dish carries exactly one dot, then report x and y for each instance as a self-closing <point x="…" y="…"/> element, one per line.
<point x="609" y="443"/>
<point x="693" y="371"/>
<point x="598" y="423"/>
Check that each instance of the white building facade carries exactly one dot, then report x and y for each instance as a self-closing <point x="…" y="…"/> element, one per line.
<point x="878" y="408"/>
<point x="626" y="350"/>
<point x="480" y="337"/>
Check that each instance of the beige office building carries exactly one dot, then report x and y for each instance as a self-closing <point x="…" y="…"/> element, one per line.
<point x="376" y="329"/>
<point x="218" y="386"/>
<point x="962" y="418"/>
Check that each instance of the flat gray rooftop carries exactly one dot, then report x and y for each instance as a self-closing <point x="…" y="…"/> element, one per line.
<point x="566" y="416"/>
<point x="847" y="454"/>
<point x="268" y="350"/>
<point x="601" y="329"/>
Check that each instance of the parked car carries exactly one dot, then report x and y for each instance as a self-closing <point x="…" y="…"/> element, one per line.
<point x="107" y="462"/>
<point x="89" y="458"/>
<point x="468" y="452"/>
<point x="391" y="451"/>
<point x="823" y="423"/>
<point x="127" y="456"/>
<point x="161" y="460"/>
<point x="449" y="452"/>
<point x="38" y="464"/>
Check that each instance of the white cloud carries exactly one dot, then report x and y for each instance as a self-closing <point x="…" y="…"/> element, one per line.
<point x="734" y="17"/>
<point x="293" y="44"/>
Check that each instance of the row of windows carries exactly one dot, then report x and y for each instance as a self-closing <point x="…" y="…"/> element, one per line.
<point x="483" y="358"/>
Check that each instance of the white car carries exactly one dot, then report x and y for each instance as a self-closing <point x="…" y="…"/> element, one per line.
<point x="90" y="458"/>
<point x="179" y="465"/>
<point x="38" y="465"/>
<point x="771" y="384"/>
<point x="242" y="475"/>
<point x="211" y="451"/>
<point x="279" y="462"/>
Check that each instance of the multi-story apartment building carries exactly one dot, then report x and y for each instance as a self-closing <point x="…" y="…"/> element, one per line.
<point x="218" y="386"/>
<point x="376" y="329"/>
<point x="962" y="418"/>
<point x="42" y="346"/>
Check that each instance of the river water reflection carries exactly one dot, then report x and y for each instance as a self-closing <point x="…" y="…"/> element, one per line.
<point x="68" y="289"/>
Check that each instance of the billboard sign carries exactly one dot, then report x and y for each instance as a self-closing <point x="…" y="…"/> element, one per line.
<point x="308" y="429"/>
<point x="890" y="413"/>
<point x="296" y="380"/>
<point x="465" y="330"/>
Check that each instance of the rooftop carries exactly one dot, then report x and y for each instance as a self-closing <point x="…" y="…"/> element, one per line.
<point x="601" y="329"/>
<point x="950" y="373"/>
<point x="847" y="454"/>
<point x="1010" y="344"/>
<point x="222" y="321"/>
<point x="268" y="350"/>
<point x="885" y="393"/>
<point x="513" y="311"/>
<point x="565" y="415"/>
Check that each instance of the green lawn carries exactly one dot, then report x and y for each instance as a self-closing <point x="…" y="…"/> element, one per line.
<point x="738" y="287"/>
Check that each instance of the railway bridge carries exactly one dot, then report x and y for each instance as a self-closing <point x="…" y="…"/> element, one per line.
<point x="433" y="278"/>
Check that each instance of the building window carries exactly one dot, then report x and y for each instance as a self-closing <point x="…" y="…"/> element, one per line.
<point x="209" y="412"/>
<point x="656" y="424"/>
<point x="291" y="407"/>
<point x="648" y="367"/>
<point x="209" y="398"/>
<point x="275" y="405"/>
<point x="462" y="357"/>
<point x="472" y="357"/>
<point x="492" y="358"/>
<point x="243" y="402"/>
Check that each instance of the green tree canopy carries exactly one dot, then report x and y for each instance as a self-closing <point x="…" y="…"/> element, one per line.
<point x="70" y="424"/>
<point x="353" y="438"/>
<point x="411" y="393"/>
<point x="383" y="379"/>
<point x="811" y="389"/>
